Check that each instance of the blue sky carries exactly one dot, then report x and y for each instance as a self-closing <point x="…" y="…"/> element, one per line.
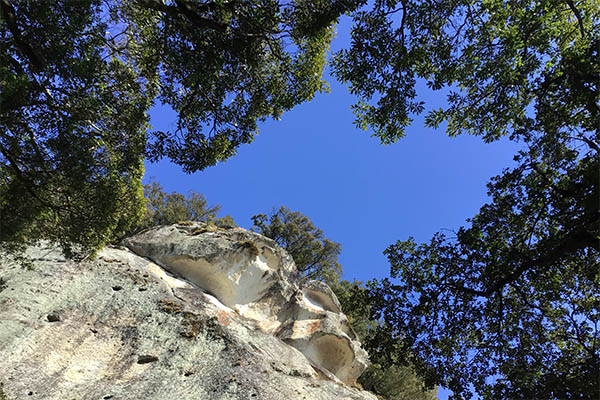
<point x="359" y="192"/>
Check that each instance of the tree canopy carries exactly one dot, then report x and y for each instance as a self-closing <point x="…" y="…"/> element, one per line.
<point x="71" y="127"/>
<point x="78" y="79"/>
<point x="508" y="306"/>
<point x="315" y="256"/>
<point x="509" y="67"/>
<point x="391" y="378"/>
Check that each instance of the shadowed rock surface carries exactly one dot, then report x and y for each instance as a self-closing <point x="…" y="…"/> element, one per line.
<point x="67" y="333"/>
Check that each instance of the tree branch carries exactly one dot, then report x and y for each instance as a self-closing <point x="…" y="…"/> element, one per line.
<point x="580" y="238"/>
<point x="577" y="15"/>
<point x="28" y="184"/>
<point x="8" y="14"/>
<point x="183" y="9"/>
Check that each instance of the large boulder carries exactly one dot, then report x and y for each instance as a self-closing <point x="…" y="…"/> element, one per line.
<point x="221" y="320"/>
<point x="252" y="275"/>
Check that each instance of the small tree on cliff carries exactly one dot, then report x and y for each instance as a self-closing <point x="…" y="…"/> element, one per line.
<point x="169" y="208"/>
<point x="315" y="256"/>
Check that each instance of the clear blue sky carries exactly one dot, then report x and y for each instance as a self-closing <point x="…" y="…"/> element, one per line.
<point x="359" y="192"/>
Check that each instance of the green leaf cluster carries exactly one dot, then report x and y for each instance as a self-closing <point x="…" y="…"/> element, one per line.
<point x="170" y="208"/>
<point x="314" y="255"/>
<point x="77" y="80"/>
<point x="71" y="129"/>
<point x="508" y="67"/>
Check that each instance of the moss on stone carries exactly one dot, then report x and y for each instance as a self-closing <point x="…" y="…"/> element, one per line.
<point x="250" y="246"/>
<point x="169" y="307"/>
<point x="185" y="223"/>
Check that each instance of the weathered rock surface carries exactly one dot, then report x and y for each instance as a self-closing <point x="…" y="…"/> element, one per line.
<point x="250" y="274"/>
<point x="206" y="315"/>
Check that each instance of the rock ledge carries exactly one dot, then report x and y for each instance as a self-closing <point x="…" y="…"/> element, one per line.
<point x="249" y="274"/>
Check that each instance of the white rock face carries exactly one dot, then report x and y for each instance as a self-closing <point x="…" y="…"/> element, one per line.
<point x="323" y="334"/>
<point x="123" y="327"/>
<point x="251" y="275"/>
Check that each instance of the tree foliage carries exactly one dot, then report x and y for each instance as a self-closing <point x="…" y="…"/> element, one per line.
<point x="509" y="67"/>
<point x="315" y="256"/>
<point x="169" y="208"/>
<point x="78" y="78"/>
<point x="389" y="378"/>
<point x="508" y="307"/>
<point x="71" y="127"/>
<point x="223" y="66"/>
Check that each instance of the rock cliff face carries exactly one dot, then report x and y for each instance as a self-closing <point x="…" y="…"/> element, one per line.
<point x="184" y="312"/>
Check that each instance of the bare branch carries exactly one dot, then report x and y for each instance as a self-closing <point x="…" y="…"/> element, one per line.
<point x="183" y="9"/>
<point x="577" y="15"/>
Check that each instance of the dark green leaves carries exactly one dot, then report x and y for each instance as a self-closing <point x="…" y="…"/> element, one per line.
<point x="315" y="256"/>
<point x="226" y="66"/>
<point x="497" y="59"/>
<point x="78" y="78"/>
<point x="72" y="126"/>
<point x="506" y="305"/>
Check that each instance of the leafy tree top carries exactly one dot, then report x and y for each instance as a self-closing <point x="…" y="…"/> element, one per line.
<point x="511" y="67"/>
<point x="316" y="257"/>
<point x="507" y="307"/>
<point x="78" y="79"/>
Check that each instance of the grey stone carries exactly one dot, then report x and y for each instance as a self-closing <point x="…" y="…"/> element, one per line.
<point x="250" y="274"/>
<point x="204" y="348"/>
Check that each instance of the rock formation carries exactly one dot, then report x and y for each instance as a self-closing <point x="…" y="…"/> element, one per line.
<point x="187" y="311"/>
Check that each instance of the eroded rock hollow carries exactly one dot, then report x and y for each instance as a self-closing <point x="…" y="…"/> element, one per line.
<point x="251" y="275"/>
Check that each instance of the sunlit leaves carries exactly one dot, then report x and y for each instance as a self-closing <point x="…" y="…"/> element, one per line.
<point x="315" y="256"/>
<point x="497" y="59"/>
<point x="223" y="68"/>
<point x="72" y="138"/>
<point x="78" y="79"/>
